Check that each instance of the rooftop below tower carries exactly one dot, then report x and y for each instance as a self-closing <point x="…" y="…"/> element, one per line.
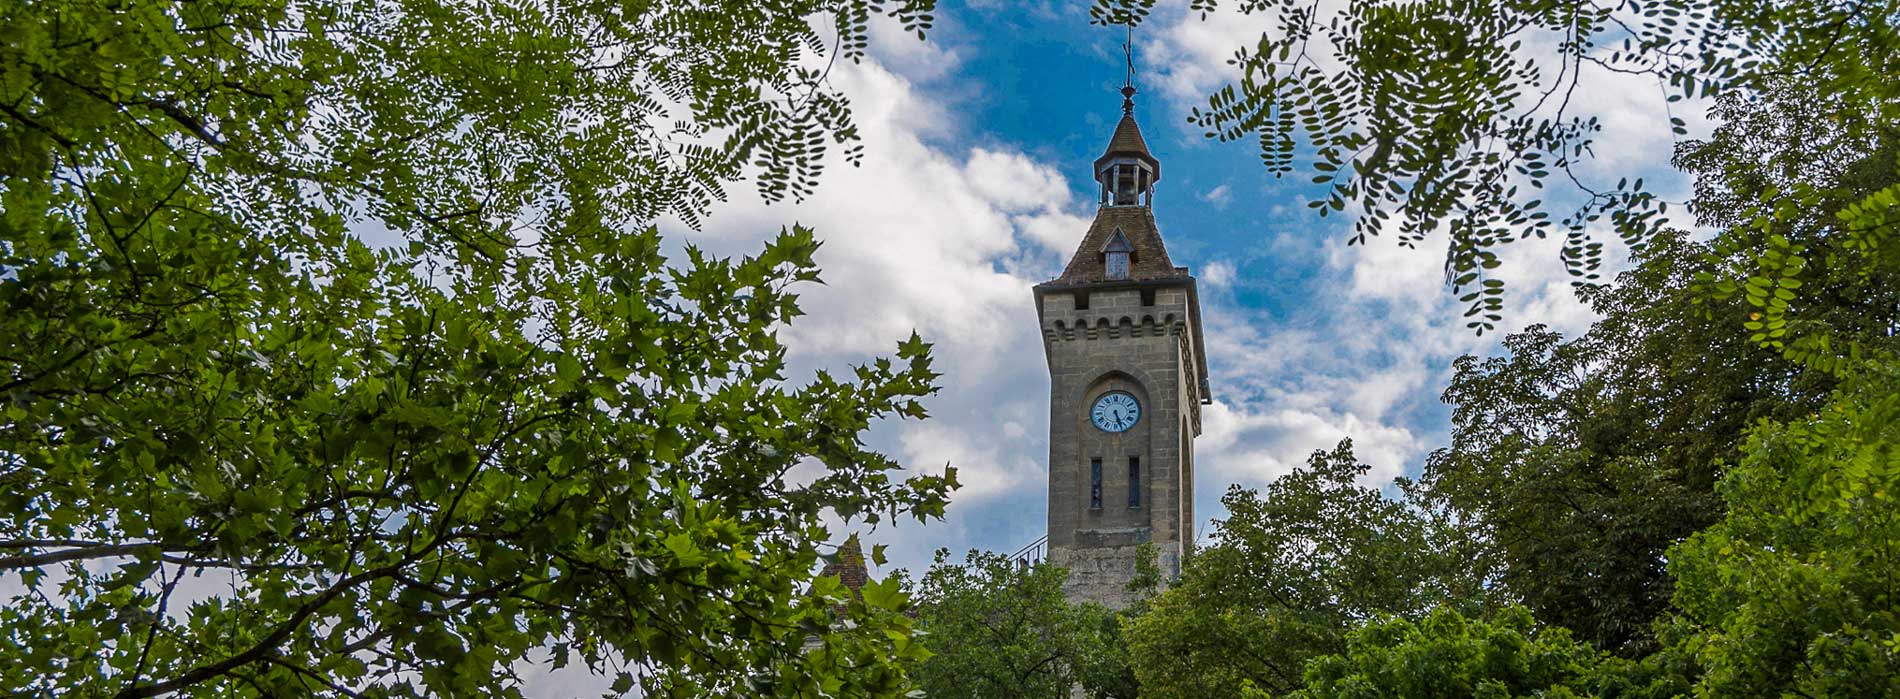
<point x="1147" y="255"/>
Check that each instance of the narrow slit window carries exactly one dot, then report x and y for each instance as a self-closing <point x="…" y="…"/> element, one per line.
<point x="1147" y="297"/>
<point x="1095" y="484"/>
<point x="1081" y="300"/>
<point x="1134" y="481"/>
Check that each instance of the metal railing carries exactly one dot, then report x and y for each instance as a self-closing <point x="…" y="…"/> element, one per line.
<point x="1035" y="553"/>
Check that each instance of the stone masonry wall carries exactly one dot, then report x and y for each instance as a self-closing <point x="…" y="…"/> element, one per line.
<point x="1119" y="344"/>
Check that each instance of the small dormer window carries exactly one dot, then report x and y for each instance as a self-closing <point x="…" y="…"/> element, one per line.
<point x="1117" y="255"/>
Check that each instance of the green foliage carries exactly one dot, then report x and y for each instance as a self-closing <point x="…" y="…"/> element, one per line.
<point x="1447" y="655"/>
<point x="997" y="630"/>
<point x="1109" y="672"/>
<point x="1464" y="116"/>
<point x="244" y="453"/>
<point x="1803" y="184"/>
<point x="1793" y="593"/>
<point x="1293" y="568"/>
<point x="1583" y="460"/>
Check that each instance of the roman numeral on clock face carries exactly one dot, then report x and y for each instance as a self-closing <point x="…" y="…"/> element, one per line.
<point x="1115" y="412"/>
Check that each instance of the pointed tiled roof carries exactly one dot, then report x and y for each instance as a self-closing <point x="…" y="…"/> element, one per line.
<point x="1127" y="141"/>
<point x="1149" y="259"/>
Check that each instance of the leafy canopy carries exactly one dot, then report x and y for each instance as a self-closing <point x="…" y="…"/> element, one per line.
<point x="247" y="453"/>
<point x="998" y="630"/>
<point x="1465" y="118"/>
<point x="1449" y="655"/>
<point x="1803" y="185"/>
<point x="1790" y="593"/>
<point x="1793" y="592"/>
<point x="1293" y="568"/>
<point x="1586" y="458"/>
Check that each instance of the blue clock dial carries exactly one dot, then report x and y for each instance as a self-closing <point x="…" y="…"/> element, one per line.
<point x="1115" y="412"/>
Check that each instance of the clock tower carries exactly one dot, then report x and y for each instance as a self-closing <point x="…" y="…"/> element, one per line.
<point x="1121" y="331"/>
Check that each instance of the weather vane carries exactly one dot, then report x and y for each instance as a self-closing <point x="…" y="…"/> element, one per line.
<point x="1128" y="82"/>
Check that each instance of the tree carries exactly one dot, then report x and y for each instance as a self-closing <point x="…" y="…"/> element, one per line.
<point x="1464" y="117"/>
<point x="1109" y="673"/>
<point x="1449" y="655"/>
<point x="996" y="630"/>
<point x="1793" y="592"/>
<point x="1585" y="459"/>
<point x="247" y="453"/>
<point x="1788" y="178"/>
<point x="1293" y="568"/>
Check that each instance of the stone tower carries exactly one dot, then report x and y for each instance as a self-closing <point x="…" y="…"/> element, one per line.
<point x="1121" y="330"/>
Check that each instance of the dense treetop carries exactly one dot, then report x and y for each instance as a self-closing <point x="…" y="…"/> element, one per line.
<point x="247" y="454"/>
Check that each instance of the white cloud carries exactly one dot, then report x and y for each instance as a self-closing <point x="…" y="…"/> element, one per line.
<point x="915" y="238"/>
<point x="1055" y="231"/>
<point x="986" y="467"/>
<point x="946" y="242"/>
<point x="901" y="52"/>
<point x="1014" y="182"/>
<point x="1253" y="444"/>
<point x="1218" y="274"/>
<point x="1218" y="196"/>
<point x="1191" y="56"/>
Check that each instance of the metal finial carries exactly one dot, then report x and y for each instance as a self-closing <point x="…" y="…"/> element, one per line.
<point x="1128" y="82"/>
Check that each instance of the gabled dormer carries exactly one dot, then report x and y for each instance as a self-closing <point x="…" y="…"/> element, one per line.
<point x="1117" y="256"/>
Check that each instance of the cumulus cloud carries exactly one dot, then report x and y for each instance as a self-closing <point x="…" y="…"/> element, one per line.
<point x="1014" y="182"/>
<point x="900" y="52"/>
<point x="1218" y="196"/>
<point x="1252" y="444"/>
<point x="915" y="238"/>
<point x="948" y="242"/>
<point x="1363" y="355"/>
<point x="1218" y="274"/>
<point x="986" y="467"/>
<point x="1191" y="57"/>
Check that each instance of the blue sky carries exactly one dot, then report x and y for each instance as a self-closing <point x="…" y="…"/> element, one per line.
<point x="976" y="186"/>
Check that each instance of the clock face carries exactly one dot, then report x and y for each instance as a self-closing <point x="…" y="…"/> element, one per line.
<point x="1115" y="412"/>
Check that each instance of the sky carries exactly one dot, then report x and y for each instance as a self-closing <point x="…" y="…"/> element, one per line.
<point x="976" y="185"/>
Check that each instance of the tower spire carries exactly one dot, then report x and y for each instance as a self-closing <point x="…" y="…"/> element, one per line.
<point x="1127" y="170"/>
